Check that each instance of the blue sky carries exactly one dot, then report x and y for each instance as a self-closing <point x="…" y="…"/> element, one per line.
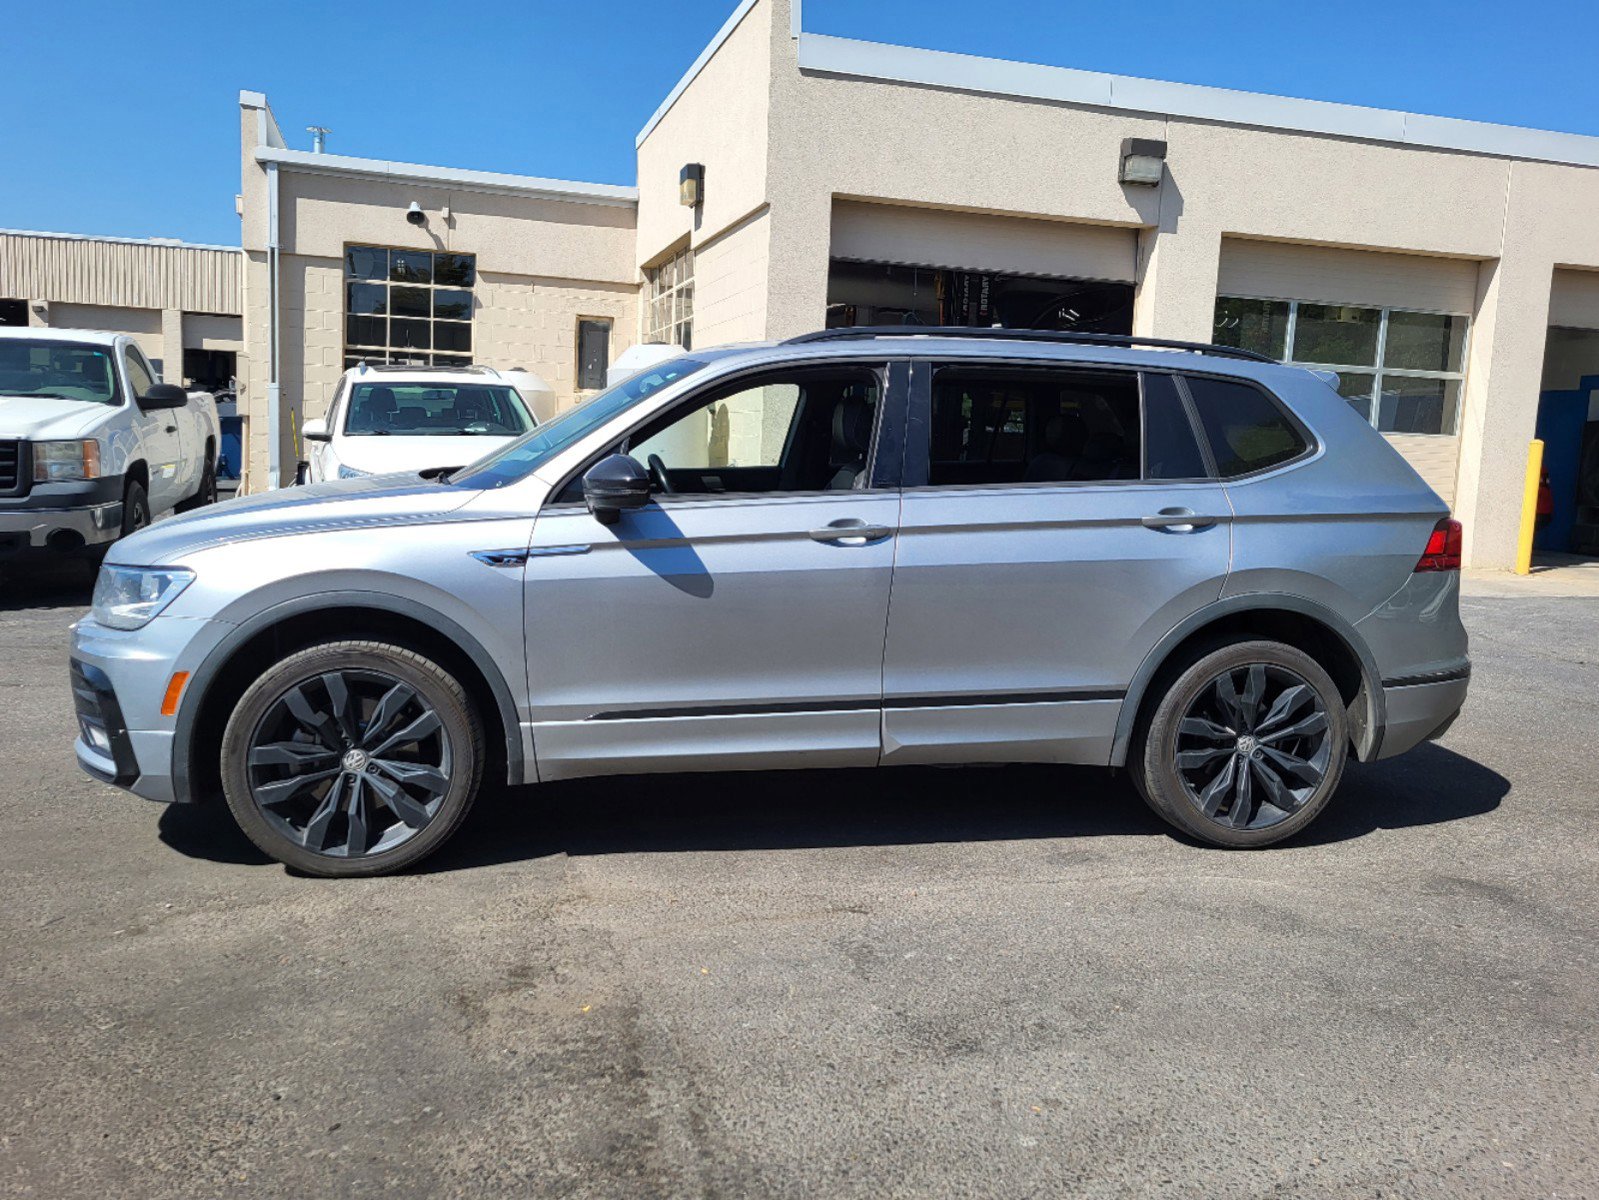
<point x="122" y="119"/>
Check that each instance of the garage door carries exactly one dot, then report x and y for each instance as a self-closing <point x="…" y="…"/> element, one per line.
<point x="891" y="233"/>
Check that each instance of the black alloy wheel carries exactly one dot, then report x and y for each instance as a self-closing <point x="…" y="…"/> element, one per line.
<point x="1244" y="745"/>
<point x="1253" y="746"/>
<point x="352" y="758"/>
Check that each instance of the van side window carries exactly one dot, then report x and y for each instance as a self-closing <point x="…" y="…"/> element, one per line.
<point x="1246" y="430"/>
<point x="994" y="425"/>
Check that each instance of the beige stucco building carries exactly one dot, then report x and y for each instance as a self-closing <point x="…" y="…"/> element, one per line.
<point x="1448" y="271"/>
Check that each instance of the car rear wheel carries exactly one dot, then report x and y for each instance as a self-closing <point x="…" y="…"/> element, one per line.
<point x="1245" y="747"/>
<point x="352" y="758"/>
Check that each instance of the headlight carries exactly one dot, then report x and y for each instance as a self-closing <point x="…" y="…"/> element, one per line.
<point x="128" y="597"/>
<point x="351" y="473"/>
<point x="62" y="462"/>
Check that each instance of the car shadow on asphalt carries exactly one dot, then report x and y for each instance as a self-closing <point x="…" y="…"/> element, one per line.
<point x="63" y="583"/>
<point x="791" y="810"/>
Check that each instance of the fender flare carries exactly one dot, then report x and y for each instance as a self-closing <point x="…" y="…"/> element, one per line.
<point x="206" y="673"/>
<point x="1368" y="739"/>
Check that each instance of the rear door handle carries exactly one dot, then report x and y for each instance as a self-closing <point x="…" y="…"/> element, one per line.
<point x="1179" y="520"/>
<point x="850" y="532"/>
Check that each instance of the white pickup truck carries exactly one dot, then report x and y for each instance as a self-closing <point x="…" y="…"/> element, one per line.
<point x="92" y="444"/>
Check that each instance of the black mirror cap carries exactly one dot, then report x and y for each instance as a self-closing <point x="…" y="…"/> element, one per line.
<point x="164" y="395"/>
<point x="614" y="484"/>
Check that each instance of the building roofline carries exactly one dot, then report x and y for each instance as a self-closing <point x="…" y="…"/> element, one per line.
<point x="158" y="242"/>
<point x="1035" y="81"/>
<point x="453" y="177"/>
<point x="698" y="65"/>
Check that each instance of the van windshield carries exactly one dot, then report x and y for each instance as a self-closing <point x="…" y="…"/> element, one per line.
<point x="525" y="455"/>
<point x="57" y="370"/>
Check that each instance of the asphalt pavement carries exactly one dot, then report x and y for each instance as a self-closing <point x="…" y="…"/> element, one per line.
<point x="989" y="982"/>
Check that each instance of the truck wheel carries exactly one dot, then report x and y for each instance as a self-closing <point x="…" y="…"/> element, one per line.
<point x="207" y="493"/>
<point x="135" y="508"/>
<point x="352" y="758"/>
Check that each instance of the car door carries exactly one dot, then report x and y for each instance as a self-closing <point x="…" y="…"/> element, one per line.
<point x="160" y="435"/>
<point x="738" y="620"/>
<point x="1057" y="521"/>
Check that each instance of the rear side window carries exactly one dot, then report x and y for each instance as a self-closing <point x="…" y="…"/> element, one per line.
<point x="1170" y="451"/>
<point x="999" y="426"/>
<point x="1246" y="430"/>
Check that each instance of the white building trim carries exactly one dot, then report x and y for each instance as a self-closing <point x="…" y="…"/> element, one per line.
<point x="1001" y="77"/>
<point x="452" y="177"/>
<point x="698" y="65"/>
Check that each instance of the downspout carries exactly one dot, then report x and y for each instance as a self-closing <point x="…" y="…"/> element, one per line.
<point x="274" y="341"/>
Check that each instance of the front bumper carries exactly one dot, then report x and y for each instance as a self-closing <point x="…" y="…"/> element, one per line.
<point x="119" y="678"/>
<point x="33" y="528"/>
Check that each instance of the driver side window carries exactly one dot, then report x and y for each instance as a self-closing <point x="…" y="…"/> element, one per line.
<point x="139" y="377"/>
<point x="797" y="431"/>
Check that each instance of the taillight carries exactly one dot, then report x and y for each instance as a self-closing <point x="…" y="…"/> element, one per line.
<point x="1443" y="547"/>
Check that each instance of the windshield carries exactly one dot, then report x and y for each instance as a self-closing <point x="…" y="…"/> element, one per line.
<point x="434" y="410"/>
<point x="58" y="370"/>
<point x="524" y="456"/>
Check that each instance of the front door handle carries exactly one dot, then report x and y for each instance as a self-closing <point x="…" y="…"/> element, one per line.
<point x="850" y="532"/>
<point x="1179" y="520"/>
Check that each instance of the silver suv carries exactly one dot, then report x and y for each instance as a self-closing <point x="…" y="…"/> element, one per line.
<point x="859" y="547"/>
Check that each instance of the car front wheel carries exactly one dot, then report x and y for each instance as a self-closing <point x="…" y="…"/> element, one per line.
<point x="1245" y="747"/>
<point x="352" y="758"/>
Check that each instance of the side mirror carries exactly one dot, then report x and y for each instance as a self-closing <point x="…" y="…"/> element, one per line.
<point x="316" y="430"/>
<point x="614" y="484"/>
<point x="164" y="395"/>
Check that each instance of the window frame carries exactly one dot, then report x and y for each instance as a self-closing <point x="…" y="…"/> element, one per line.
<point x="883" y="456"/>
<point x="678" y="328"/>
<point x="918" y="456"/>
<point x="386" y="354"/>
<point x="1376" y="370"/>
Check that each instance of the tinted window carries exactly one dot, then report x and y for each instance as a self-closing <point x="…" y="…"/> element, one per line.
<point x="1246" y="430"/>
<point x="1032" y="426"/>
<point x="1170" y="450"/>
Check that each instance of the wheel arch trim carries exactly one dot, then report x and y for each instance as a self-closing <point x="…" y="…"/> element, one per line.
<point x="205" y="675"/>
<point x="1371" y="675"/>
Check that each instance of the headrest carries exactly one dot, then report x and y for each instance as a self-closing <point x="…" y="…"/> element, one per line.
<point x="852" y="430"/>
<point x="380" y="400"/>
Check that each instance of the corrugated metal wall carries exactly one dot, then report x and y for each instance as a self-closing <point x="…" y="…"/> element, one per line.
<point x="124" y="274"/>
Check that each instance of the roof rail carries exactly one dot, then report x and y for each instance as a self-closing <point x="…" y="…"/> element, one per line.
<point x="865" y="332"/>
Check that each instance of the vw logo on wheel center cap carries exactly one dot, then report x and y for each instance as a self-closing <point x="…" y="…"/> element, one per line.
<point x="1247" y="745"/>
<point x="354" y="760"/>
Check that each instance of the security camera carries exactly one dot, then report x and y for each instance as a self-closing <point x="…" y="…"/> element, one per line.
<point x="415" y="215"/>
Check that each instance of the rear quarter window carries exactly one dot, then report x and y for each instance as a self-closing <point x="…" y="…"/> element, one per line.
<point x="1247" y="430"/>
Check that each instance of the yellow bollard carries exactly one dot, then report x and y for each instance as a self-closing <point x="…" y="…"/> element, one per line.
<point x="1529" y="507"/>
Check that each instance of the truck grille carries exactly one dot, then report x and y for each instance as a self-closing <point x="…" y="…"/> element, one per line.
<point x="11" y="480"/>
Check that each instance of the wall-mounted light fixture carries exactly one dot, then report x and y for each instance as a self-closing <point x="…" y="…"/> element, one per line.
<point x="415" y="215"/>
<point x="691" y="185"/>
<point x="1143" y="161"/>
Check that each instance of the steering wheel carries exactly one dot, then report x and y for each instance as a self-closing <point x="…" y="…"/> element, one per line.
<point x="658" y="475"/>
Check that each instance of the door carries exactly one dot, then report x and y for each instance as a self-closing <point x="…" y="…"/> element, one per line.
<point x="160" y="436"/>
<point x="1056" y="523"/>
<point x="737" y="621"/>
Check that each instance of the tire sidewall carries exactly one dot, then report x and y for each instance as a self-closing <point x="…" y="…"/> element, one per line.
<point x="1157" y="775"/>
<point x="436" y="686"/>
<point x="135" y="500"/>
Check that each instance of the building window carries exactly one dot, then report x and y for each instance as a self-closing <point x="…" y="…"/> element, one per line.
<point x="880" y="293"/>
<point x="669" y="312"/>
<point x="593" y="353"/>
<point x="13" y="312"/>
<point x="408" y="306"/>
<point x="1402" y="369"/>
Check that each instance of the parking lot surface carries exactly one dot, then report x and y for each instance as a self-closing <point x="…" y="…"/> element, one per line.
<point x="988" y="982"/>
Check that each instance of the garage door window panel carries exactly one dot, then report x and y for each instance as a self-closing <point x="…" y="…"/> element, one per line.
<point x="1401" y="369"/>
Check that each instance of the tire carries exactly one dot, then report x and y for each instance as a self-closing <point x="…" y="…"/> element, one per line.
<point x="207" y="493"/>
<point x="1285" y="765"/>
<point x="298" y="766"/>
<point x="135" y="507"/>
